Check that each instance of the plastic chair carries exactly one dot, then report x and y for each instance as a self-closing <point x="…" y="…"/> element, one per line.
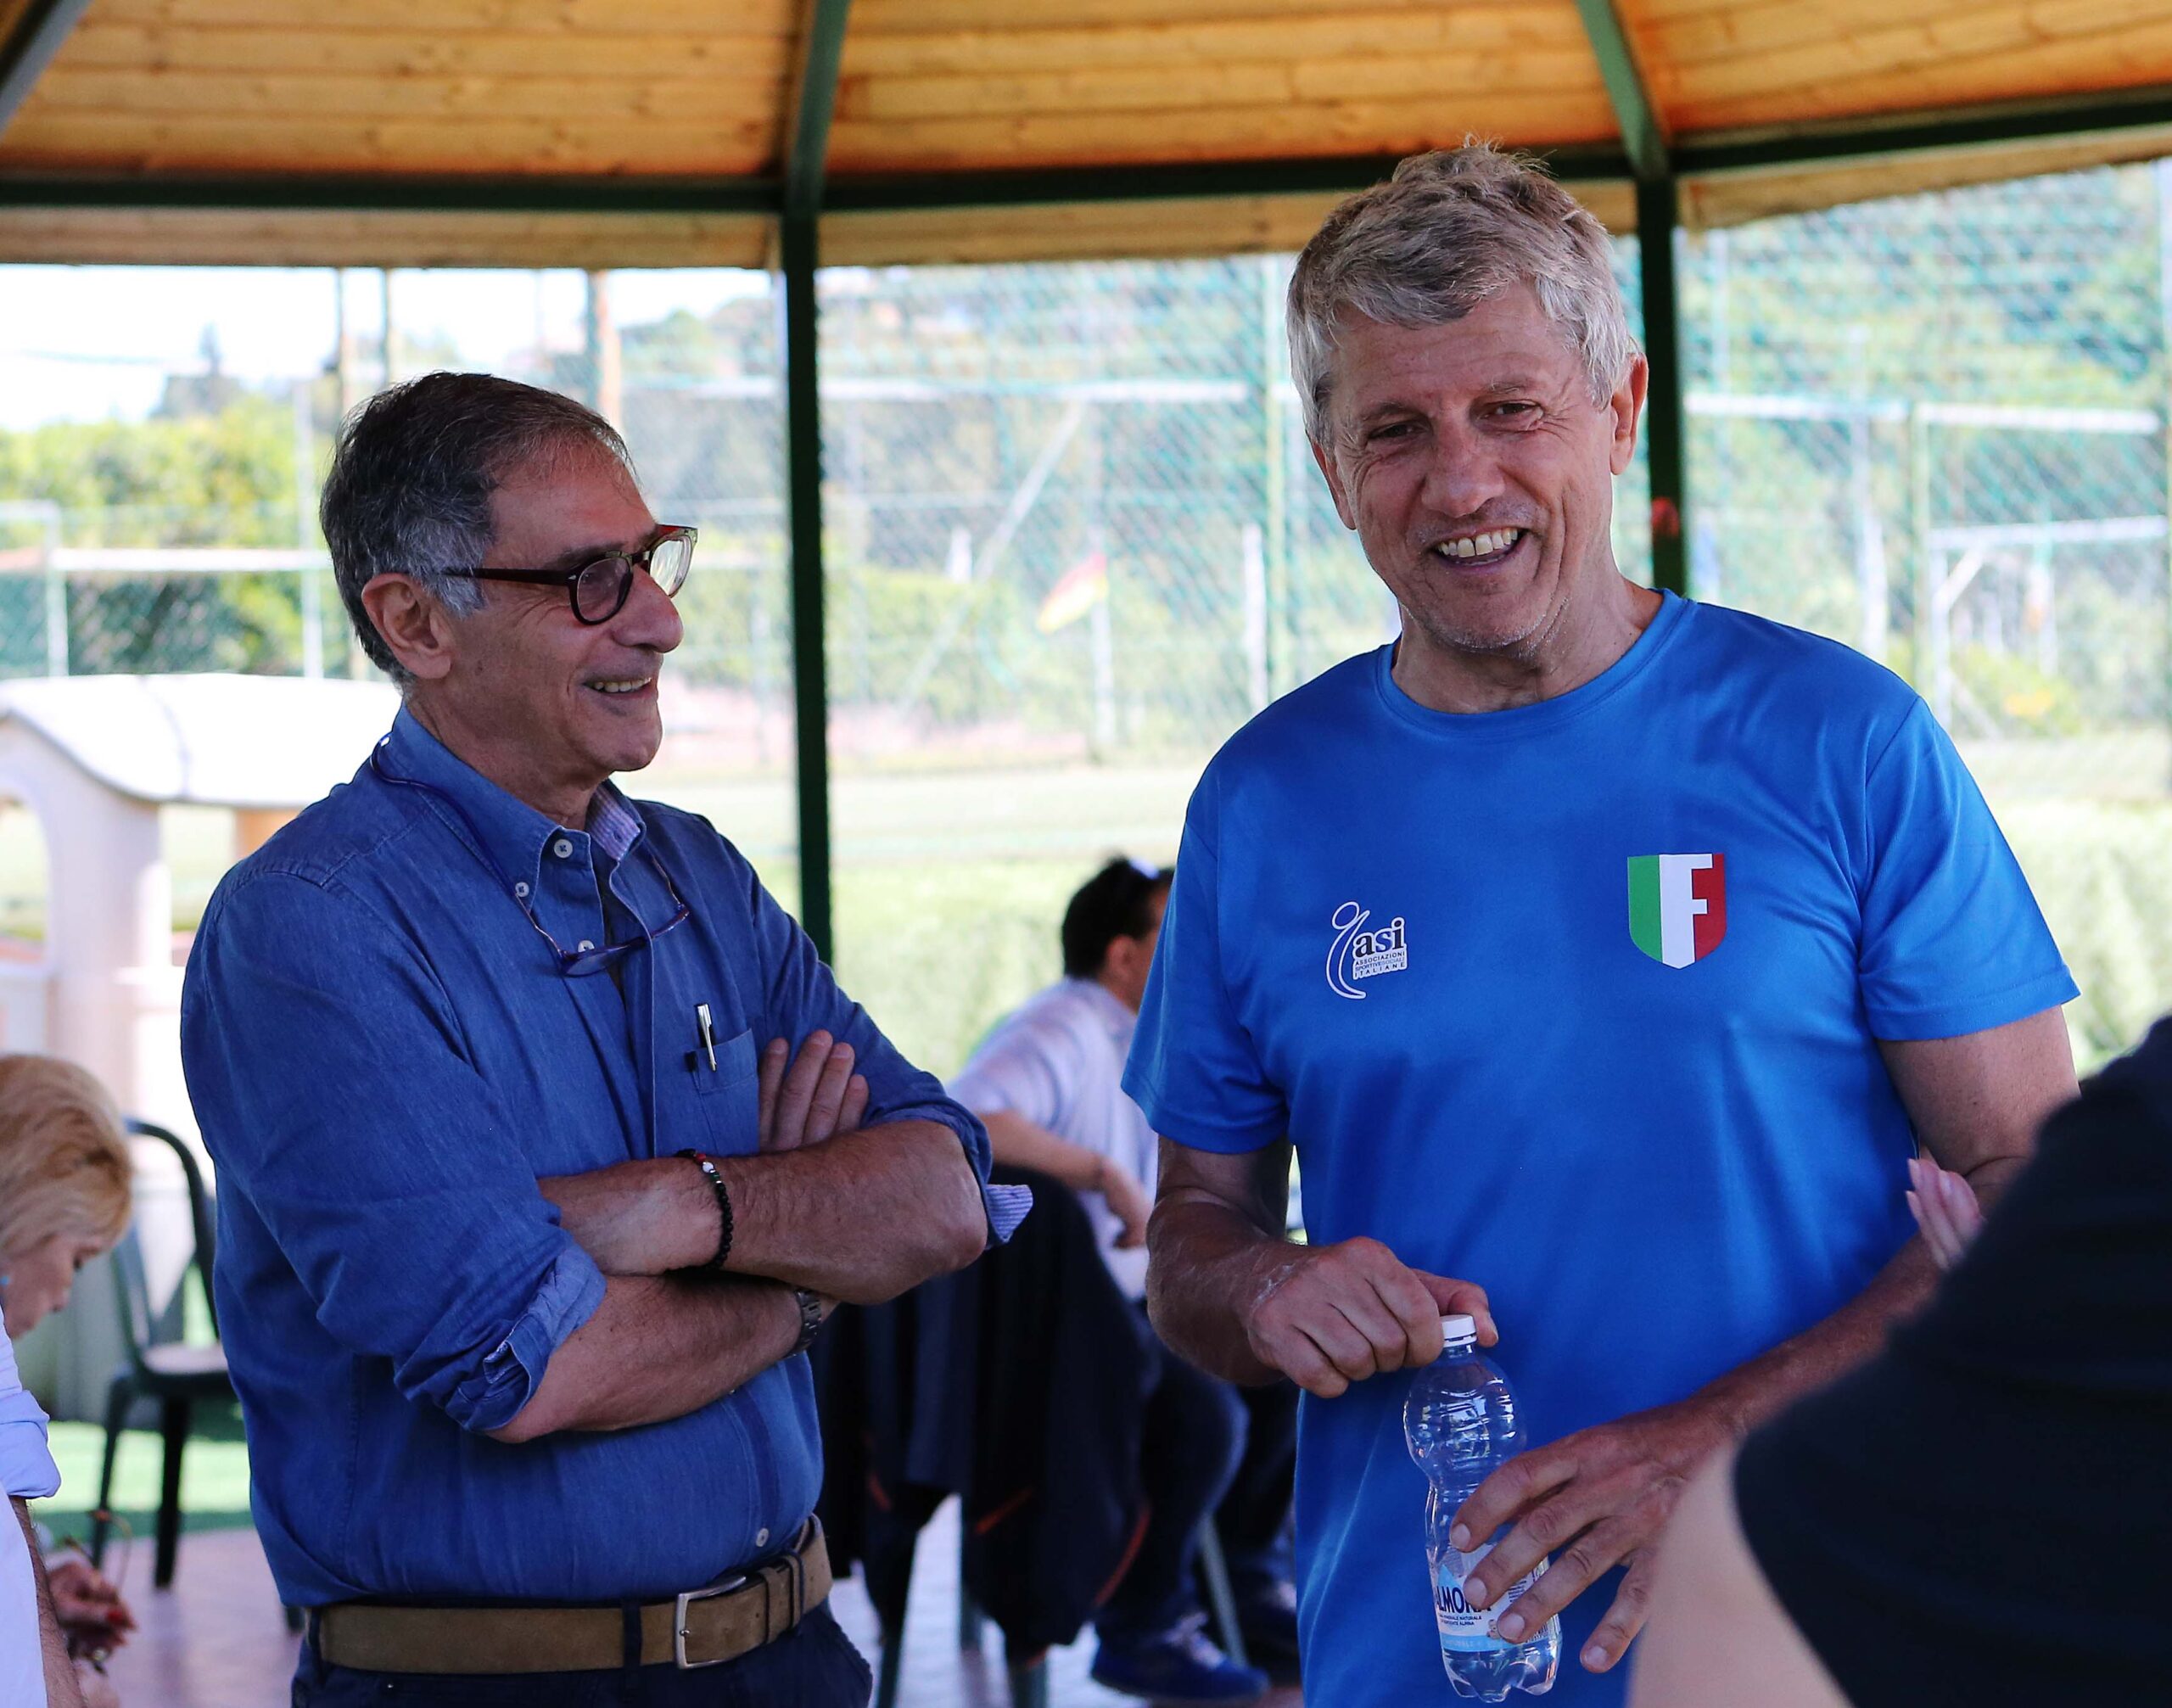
<point x="177" y="1376"/>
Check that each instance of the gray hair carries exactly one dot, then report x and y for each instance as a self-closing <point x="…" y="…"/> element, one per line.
<point x="409" y="489"/>
<point x="1449" y="231"/>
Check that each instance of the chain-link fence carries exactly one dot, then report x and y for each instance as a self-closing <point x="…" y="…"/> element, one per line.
<point x="1075" y="537"/>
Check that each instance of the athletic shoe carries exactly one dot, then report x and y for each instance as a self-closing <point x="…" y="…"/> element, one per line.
<point x="1180" y="1666"/>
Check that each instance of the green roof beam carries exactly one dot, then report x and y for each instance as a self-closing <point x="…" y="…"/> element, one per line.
<point x="1643" y="131"/>
<point x="28" y="49"/>
<point x="813" y="106"/>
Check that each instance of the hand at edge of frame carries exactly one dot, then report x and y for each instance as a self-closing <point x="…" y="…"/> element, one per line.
<point x="1585" y="1504"/>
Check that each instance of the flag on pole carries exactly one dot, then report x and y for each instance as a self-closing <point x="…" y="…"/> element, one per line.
<point x="1078" y="590"/>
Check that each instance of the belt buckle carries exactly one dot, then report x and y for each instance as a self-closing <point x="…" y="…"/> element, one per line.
<point x="738" y="1580"/>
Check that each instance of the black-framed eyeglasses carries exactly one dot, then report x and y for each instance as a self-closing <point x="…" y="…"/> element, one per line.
<point x="571" y="963"/>
<point x="598" y="590"/>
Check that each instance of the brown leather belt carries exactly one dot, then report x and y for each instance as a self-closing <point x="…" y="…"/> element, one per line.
<point x="703" y="1627"/>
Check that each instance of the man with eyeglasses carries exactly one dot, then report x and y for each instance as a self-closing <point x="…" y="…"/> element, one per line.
<point x="545" y="1140"/>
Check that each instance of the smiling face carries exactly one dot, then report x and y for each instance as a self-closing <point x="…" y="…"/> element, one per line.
<point x="1478" y="472"/>
<point x="545" y="706"/>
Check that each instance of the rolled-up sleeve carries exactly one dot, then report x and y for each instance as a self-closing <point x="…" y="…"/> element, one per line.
<point x="327" y="1070"/>
<point x="804" y="996"/>
<point x="26" y="1469"/>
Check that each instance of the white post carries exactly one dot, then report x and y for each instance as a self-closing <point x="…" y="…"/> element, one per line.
<point x="1255" y="578"/>
<point x="1104" y="664"/>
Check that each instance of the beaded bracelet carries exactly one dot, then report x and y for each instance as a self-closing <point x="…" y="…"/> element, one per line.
<point x="723" y="1206"/>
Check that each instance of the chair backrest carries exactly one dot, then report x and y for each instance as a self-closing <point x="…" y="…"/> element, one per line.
<point x="152" y="1261"/>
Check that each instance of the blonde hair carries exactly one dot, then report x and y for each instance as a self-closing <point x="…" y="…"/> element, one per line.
<point x="65" y="1167"/>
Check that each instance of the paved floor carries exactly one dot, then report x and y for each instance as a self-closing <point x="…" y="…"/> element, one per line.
<point x="216" y="1639"/>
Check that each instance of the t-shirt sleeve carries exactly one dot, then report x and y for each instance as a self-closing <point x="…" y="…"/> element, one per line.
<point x="1194" y="1067"/>
<point x="1981" y="1514"/>
<point x="1952" y="939"/>
<point x="26" y="1468"/>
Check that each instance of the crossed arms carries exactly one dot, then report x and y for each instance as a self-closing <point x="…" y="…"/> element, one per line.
<point x="847" y="1213"/>
<point x="1228" y="1292"/>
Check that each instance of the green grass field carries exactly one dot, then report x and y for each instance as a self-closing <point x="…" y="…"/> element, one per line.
<point x="213" y="1477"/>
<point x="950" y="882"/>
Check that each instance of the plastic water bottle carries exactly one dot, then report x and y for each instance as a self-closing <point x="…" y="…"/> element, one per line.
<point x="1460" y="1422"/>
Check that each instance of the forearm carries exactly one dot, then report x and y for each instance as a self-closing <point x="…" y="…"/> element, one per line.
<point x="639" y="1218"/>
<point x="60" y="1687"/>
<point x="1975" y="1102"/>
<point x="1208" y="1266"/>
<point x="1750" y="1394"/>
<point x="862" y="1218"/>
<point x="658" y="1348"/>
<point x="1019" y="1143"/>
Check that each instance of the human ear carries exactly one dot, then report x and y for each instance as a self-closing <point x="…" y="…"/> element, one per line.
<point x="1627" y="406"/>
<point x="1334" y="484"/>
<point x="416" y="629"/>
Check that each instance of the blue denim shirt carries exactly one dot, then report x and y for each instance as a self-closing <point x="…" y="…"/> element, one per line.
<point x="384" y="1059"/>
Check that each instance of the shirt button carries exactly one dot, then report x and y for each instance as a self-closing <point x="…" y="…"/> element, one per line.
<point x="521" y="890"/>
<point x="585" y="944"/>
<point x="762" y="1537"/>
<point x="563" y="848"/>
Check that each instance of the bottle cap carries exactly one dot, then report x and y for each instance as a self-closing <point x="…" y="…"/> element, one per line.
<point x="1454" y="1329"/>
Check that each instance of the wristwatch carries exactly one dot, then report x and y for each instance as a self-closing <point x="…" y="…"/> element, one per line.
<point x="810" y="1320"/>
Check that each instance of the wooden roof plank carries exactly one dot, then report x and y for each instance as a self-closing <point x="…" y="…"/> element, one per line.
<point x="1482" y="28"/>
<point x="101" y="44"/>
<point x="879" y="16"/>
<point x="563" y="17"/>
<point x="1152" y="88"/>
<point x="228" y="238"/>
<point x="1821" y="87"/>
<point x="1739" y="198"/>
<point x="124" y="96"/>
<point x="214" y="142"/>
<point x="1522" y="117"/>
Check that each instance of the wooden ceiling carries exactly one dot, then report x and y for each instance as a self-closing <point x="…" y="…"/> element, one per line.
<point x="654" y="133"/>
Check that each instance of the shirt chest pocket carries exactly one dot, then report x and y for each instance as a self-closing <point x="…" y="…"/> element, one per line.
<point x="713" y="1109"/>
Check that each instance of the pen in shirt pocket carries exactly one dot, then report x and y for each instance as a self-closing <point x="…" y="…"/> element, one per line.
<point x="705" y="1032"/>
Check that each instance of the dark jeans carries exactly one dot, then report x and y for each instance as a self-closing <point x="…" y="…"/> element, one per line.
<point x="815" y="1666"/>
<point x="1253" y="1520"/>
<point x="1207" y="1446"/>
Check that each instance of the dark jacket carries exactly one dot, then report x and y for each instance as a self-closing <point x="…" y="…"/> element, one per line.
<point x="1020" y="1384"/>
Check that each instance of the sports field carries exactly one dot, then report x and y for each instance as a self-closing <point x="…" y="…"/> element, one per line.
<point x="949" y="881"/>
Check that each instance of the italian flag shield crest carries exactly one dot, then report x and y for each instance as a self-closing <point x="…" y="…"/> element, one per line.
<point x="1677" y="905"/>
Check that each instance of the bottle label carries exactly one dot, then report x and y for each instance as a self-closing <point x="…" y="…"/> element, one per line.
<point x="1466" y="1629"/>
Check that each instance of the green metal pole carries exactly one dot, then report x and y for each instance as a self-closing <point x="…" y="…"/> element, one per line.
<point x="1274" y="467"/>
<point x="809" y="665"/>
<point x="1659" y="217"/>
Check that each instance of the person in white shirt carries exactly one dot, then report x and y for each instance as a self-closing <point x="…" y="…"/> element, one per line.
<point x="34" y="1670"/>
<point x="64" y="1198"/>
<point x="1047" y="1083"/>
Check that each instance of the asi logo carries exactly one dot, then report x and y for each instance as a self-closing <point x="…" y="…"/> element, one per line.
<point x="1677" y="905"/>
<point x="1362" y="953"/>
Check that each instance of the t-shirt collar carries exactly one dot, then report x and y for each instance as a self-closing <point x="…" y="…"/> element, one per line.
<point x="513" y="833"/>
<point x="1519" y="721"/>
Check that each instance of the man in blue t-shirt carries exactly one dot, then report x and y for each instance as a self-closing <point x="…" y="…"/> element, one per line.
<point x="1602" y="956"/>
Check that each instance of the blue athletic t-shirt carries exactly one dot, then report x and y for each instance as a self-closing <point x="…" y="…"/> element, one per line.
<point x="1579" y="1001"/>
